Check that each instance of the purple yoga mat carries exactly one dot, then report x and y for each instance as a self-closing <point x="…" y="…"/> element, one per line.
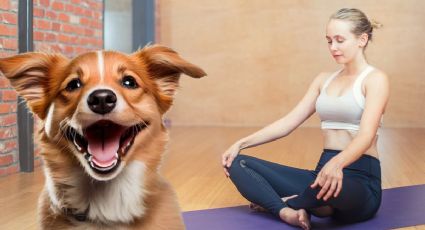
<point x="401" y="207"/>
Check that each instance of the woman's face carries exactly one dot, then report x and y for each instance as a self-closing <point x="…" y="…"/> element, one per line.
<point x="343" y="44"/>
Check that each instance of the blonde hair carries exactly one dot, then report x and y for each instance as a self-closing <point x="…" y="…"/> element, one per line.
<point x="361" y="24"/>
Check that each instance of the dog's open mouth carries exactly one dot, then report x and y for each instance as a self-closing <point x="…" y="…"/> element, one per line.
<point x="104" y="143"/>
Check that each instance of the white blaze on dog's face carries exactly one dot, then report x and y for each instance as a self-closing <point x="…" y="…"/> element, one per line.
<point x="102" y="107"/>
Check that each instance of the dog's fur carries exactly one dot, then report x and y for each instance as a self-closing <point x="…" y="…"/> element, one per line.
<point x="132" y="195"/>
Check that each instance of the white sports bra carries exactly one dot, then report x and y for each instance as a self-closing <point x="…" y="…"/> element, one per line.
<point x="343" y="112"/>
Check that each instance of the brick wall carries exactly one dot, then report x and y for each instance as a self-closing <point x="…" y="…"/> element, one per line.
<point x="70" y="27"/>
<point x="8" y="128"/>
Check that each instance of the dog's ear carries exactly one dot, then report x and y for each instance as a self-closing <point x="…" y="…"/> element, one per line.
<point x="165" y="66"/>
<point x="29" y="74"/>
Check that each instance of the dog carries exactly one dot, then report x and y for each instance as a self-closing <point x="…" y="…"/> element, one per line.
<point x="102" y="136"/>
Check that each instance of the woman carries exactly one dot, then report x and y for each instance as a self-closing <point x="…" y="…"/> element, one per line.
<point x="346" y="183"/>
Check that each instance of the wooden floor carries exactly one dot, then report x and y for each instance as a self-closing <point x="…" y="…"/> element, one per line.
<point x="192" y="165"/>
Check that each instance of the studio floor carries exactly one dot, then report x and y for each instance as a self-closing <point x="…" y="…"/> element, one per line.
<point x="193" y="166"/>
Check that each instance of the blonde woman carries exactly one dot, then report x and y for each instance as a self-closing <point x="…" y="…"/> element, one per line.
<point x="346" y="183"/>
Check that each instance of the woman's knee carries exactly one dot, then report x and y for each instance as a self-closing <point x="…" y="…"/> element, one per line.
<point x="238" y="163"/>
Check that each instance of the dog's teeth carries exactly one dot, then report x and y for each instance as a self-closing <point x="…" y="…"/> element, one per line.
<point x="116" y="155"/>
<point x="93" y="165"/>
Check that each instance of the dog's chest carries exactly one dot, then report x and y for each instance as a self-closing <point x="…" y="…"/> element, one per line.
<point x="122" y="199"/>
<point x="118" y="200"/>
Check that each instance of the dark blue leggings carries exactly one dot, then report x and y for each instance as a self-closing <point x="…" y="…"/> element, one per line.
<point x="265" y="183"/>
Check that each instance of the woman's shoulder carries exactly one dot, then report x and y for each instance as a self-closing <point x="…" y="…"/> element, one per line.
<point x="377" y="76"/>
<point x="378" y="72"/>
<point x="376" y="81"/>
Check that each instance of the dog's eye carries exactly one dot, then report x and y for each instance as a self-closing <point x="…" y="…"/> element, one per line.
<point x="129" y="82"/>
<point x="73" y="85"/>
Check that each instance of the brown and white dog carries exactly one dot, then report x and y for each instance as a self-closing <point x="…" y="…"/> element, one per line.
<point x="102" y="136"/>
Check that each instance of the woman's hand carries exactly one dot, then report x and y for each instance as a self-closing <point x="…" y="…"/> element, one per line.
<point x="229" y="155"/>
<point x="329" y="179"/>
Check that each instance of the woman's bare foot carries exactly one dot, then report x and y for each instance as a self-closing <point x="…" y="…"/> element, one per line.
<point x="295" y="217"/>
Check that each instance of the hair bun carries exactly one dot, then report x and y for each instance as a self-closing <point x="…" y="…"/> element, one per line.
<point x="375" y="24"/>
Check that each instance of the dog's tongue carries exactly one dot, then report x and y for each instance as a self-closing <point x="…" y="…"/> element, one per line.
<point x="103" y="143"/>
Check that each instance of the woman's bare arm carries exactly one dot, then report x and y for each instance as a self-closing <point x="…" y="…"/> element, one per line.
<point x="282" y="127"/>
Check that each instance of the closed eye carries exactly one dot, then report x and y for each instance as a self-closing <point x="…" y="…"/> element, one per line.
<point x="338" y="41"/>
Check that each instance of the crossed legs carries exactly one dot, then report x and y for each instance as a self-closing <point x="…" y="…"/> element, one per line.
<point x="266" y="183"/>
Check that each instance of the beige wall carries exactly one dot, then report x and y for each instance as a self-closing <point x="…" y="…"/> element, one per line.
<point x="261" y="55"/>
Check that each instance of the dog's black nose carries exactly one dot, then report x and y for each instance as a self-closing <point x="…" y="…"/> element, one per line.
<point x="102" y="101"/>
